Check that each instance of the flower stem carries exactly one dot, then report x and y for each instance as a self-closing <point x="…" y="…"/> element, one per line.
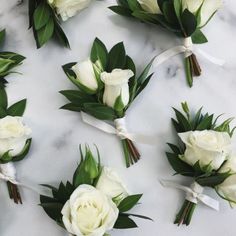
<point x="131" y="153"/>
<point x="14" y="193"/>
<point x="192" y="68"/>
<point x="185" y="214"/>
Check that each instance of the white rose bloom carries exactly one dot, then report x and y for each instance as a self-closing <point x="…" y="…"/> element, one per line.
<point x="85" y="74"/>
<point x="228" y="187"/>
<point x="13" y="135"/>
<point x="116" y="84"/>
<point x="110" y="183"/>
<point x="68" y="8"/>
<point x="150" y="6"/>
<point x="209" y="7"/>
<point x="207" y="147"/>
<point x="89" y="212"/>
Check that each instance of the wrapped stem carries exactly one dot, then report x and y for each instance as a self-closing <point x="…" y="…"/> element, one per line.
<point x="192" y="68"/>
<point x="185" y="214"/>
<point x="131" y="153"/>
<point x="14" y="193"/>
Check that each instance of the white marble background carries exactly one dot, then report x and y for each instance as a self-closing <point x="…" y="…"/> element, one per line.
<point x="57" y="133"/>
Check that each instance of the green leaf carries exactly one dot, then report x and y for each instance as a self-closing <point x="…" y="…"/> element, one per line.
<point x="183" y="121"/>
<point x="179" y="166"/>
<point x="100" y="111"/>
<point x="17" y="109"/>
<point x="175" y="149"/>
<point x="72" y="107"/>
<point x="3" y="98"/>
<point x="3" y="112"/>
<point x="45" y="33"/>
<point x="62" y="193"/>
<point x="129" y="202"/>
<point x="24" y="152"/>
<point x="77" y="97"/>
<point x="99" y="52"/>
<point x="41" y="15"/>
<point x="138" y="216"/>
<point x="145" y="72"/>
<point x="206" y="123"/>
<point x="134" y="5"/>
<point x="214" y="180"/>
<point x="124" y="222"/>
<point x="189" y="22"/>
<point x="169" y="13"/>
<point x="61" y="36"/>
<point x="121" y="10"/>
<point x="116" y="57"/>
<point x="119" y="105"/>
<point x="6" y="157"/>
<point x="198" y="37"/>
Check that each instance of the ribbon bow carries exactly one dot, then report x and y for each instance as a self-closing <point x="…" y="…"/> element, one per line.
<point x="194" y="193"/>
<point x="188" y="49"/>
<point x="119" y="129"/>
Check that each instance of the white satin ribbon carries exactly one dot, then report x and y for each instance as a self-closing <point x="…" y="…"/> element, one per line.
<point x="8" y="173"/>
<point x="119" y="129"/>
<point x="194" y="193"/>
<point x="188" y="49"/>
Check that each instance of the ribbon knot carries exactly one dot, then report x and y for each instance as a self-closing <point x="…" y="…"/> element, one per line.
<point x="121" y="129"/>
<point x="188" y="44"/>
<point x="194" y="193"/>
<point x="8" y="172"/>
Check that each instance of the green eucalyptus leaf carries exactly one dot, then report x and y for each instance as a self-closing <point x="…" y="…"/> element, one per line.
<point x="41" y="15"/>
<point x="45" y="33"/>
<point x="124" y="222"/>
<point x="198" y="37"/>
<point x="129" y="202"/>
<point x="99" y="53"/>
<point x="17" y="109"/>
<point x="116" y="57"/>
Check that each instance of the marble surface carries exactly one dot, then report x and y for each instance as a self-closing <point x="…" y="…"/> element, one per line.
<point x="57" y="133"/>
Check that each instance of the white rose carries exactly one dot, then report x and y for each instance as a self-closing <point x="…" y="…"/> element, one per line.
<point x="89" y="212"/>
<point x="116" y="84"/>
<point x="150" y="6"/>
<point x="228" y="187"/>
<point x="68" y="8"/>
<point x="13" y="135"/>
<point x="207" y="147"/>
<point x="208" y="8"/>
<point x="85" y="75"/>
<point x="110" y="183"/>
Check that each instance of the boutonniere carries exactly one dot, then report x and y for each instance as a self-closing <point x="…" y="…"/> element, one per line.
<point x="15" y="141"/>
<point x="204" y="155"/>
<point x="45" y="17"/>
<point x="8" y="60"/>
<point x="96" y="196"/>
<point x="185" y="18"/>
<point x="107" y="85"/>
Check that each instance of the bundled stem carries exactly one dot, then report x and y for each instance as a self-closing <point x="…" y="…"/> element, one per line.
<point x="131" y="153"/>
<point x="192" y="68"/>
<point x="14" y="193"/>
<point x="185" y="214"/>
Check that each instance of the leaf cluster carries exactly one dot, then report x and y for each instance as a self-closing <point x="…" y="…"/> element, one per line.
<point x="8" y="60"/>
<point x="173" y="18"/>
<point x="45" y="23"/>
<point x="85" y="100"/>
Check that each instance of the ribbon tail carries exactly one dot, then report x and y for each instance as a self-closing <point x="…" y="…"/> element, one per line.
<point x="210" y="202"/>
<point x="99" y="124"/>
<point x="210" y="58"/>
<point x="166" y="55"/>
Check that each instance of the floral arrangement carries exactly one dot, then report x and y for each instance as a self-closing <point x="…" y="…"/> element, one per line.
<point x="15" y="141"/>
<point x="45" y="18"/>
<point x="107" y="85"/>
<point x="204" y="154"/>
<point x="96" y="196"/>
<point x="185" y="18"/>
<point x="8" y="60"/>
